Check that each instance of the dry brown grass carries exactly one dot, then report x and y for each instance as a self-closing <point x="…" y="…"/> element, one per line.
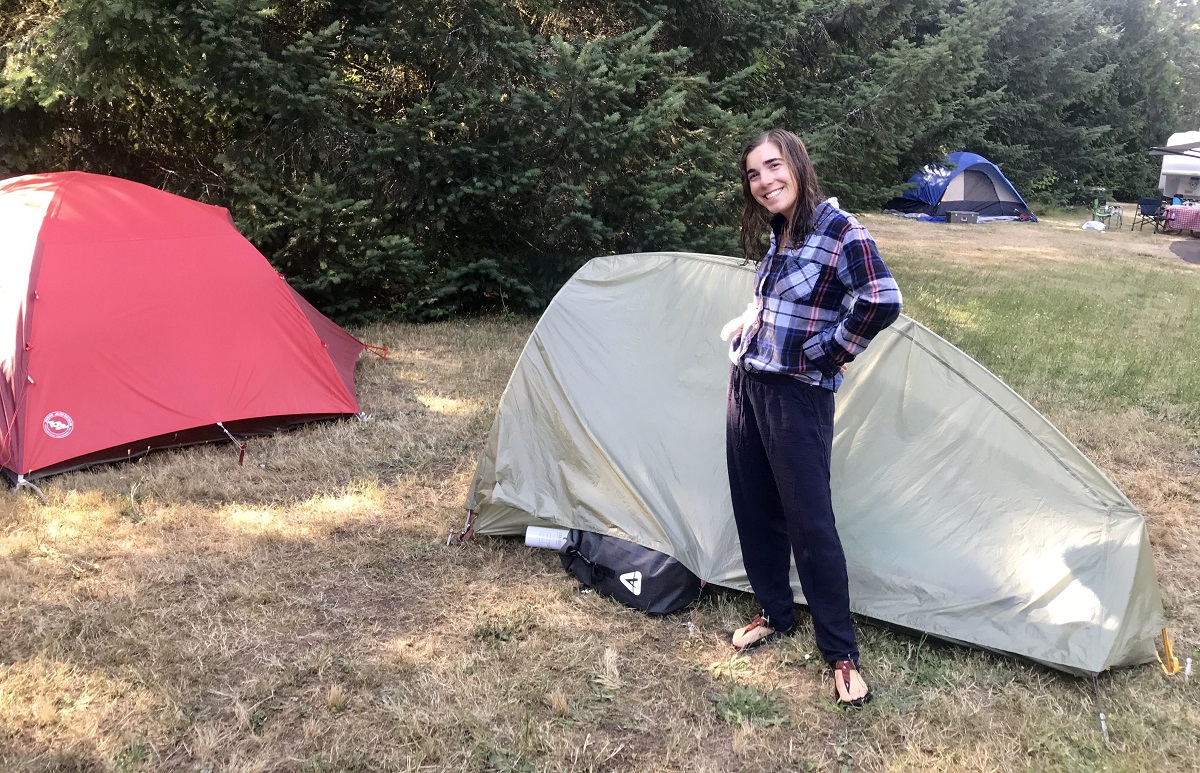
<point x="1027" y="246"/>
<point x="301" y="612"/>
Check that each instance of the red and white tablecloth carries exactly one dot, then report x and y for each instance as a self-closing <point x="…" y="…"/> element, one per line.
<point x="1183" y="217"/>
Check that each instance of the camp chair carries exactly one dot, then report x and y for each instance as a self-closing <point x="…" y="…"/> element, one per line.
<point x="1149" y="209"/>
<point x="1103" y="211"/>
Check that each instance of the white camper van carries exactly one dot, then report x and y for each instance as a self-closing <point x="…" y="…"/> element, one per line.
<point x="1181" y="166"/>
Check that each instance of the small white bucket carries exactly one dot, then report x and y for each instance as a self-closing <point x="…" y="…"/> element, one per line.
<point x="542" y="537"/>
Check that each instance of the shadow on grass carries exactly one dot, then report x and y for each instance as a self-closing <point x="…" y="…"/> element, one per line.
<point x="359" y="636"/>
<point x="240" y="640"/>
<point x="1189" y="251"/>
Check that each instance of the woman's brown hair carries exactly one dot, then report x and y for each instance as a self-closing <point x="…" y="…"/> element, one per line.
<point x="756" y="220"/>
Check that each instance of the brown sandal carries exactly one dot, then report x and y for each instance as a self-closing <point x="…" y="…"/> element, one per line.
<point x="758" y="631"/>
<point x="842" y="670"/>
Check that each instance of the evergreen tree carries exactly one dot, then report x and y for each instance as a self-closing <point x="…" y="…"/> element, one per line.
<point x="876" y="88"/>
<point x="1182" y="24"/>
<point x="422" y="158"/>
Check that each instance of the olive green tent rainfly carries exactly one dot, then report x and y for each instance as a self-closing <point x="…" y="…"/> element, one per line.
<point x="964" y="513"/>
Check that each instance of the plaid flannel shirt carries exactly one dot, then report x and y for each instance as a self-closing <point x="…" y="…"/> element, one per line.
<point x="818" y="305"/>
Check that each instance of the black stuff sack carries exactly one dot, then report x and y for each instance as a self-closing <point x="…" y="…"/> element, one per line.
<point x="634" y="575"/>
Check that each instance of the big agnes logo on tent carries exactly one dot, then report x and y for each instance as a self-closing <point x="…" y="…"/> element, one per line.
<point x="58" y="424"/>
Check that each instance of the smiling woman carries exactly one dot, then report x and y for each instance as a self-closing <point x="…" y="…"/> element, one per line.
<point x="821" y="294"/>
<point x="777" y="179"/>
<point x="771" y="180"/>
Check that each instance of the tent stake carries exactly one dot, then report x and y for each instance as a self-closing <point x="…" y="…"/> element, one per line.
<point x="467" y="532"/>
<point x="241" y="444"/>
<point x="22" y="483"/>
<point x="1100" y="708"/>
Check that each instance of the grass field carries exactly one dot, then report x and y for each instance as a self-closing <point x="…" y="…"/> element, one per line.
<point x="302" y="613"/>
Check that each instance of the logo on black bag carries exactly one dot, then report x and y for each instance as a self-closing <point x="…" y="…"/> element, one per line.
<point x="633" y="581"/>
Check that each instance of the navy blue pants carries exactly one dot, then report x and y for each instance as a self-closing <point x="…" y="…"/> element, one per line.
<point x="778" y="439"/>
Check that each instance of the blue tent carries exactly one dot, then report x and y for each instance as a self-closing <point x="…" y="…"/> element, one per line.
<point x="964" y="182"/>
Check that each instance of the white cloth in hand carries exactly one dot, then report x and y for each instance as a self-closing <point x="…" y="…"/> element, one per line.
<point x="734" y="326"/>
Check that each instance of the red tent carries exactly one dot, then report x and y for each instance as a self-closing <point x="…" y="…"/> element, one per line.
<point x="133" y="319"/>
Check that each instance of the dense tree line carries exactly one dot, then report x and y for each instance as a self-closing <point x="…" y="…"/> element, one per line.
<point x="419" y="158"/>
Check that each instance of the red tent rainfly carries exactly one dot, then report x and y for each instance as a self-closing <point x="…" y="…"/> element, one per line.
<point x="133" y="319"/>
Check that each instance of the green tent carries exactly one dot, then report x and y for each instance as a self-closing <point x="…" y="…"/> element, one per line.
<point x="964" y="513"/>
